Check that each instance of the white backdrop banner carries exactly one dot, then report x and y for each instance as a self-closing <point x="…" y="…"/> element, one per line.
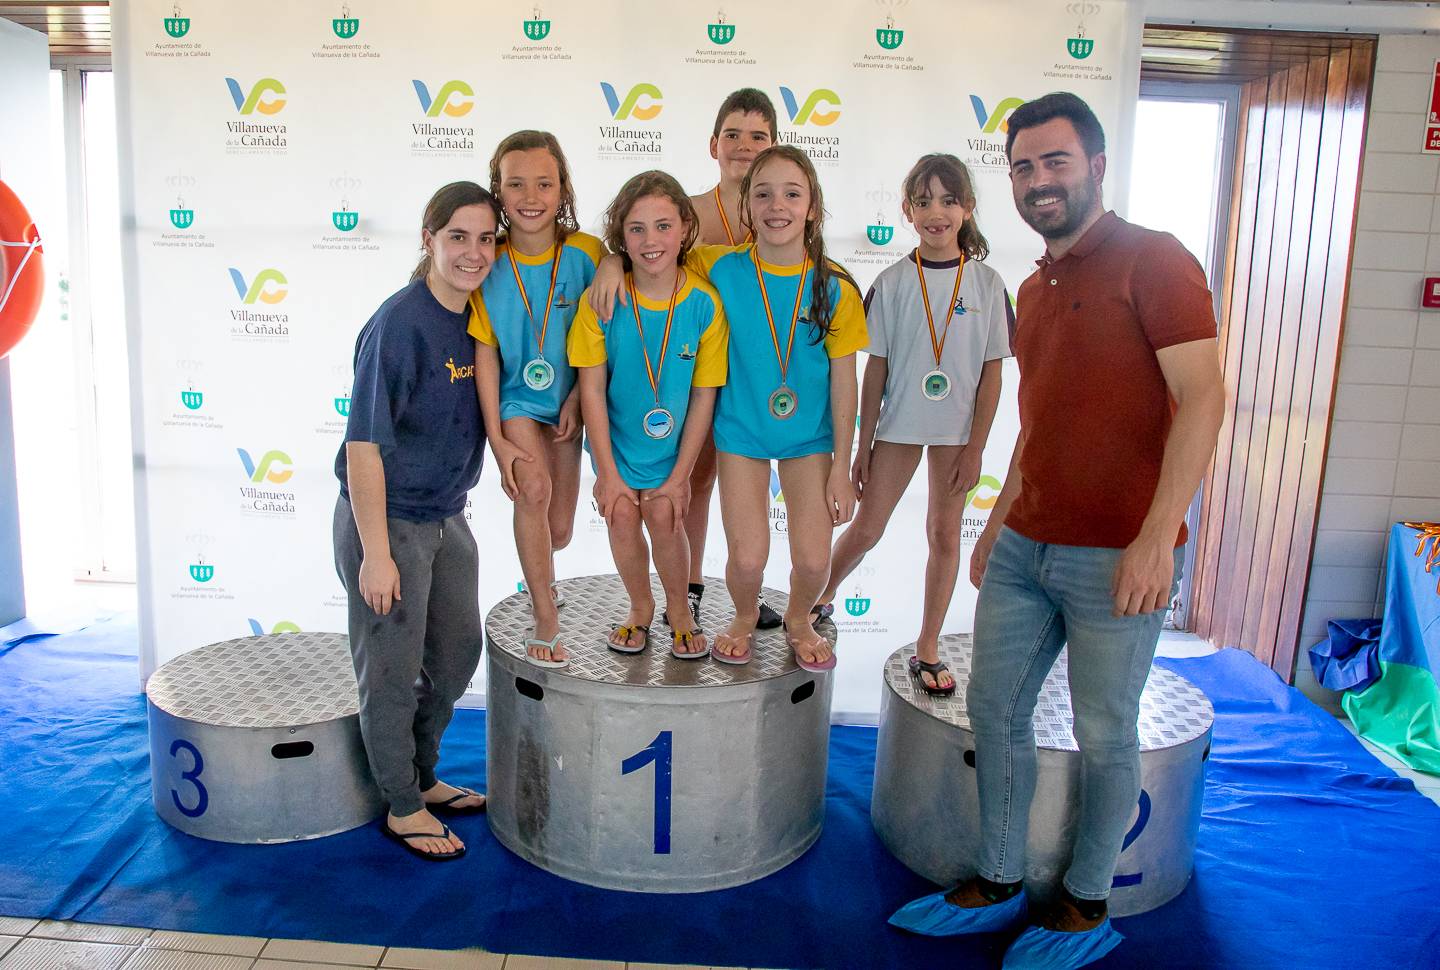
<point x="276" y="158"/>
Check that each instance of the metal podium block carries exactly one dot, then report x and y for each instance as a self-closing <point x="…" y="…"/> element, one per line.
<point x="925" y="806"/>
<point x="258" y="740"/>
<point x="648" y="773"/>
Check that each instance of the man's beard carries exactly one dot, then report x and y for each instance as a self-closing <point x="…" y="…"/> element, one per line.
<point x="1077" y="207"/>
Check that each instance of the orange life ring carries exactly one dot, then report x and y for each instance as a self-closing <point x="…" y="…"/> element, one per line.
<point x="22" y="275"/>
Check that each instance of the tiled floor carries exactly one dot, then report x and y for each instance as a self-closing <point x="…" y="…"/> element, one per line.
<point x="27" y="944"/>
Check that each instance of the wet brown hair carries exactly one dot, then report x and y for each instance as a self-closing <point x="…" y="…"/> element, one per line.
<point x="821" y="310"/>
<point x="748" y="101"/>
<point x="441" y="209"/>
<point x="952" y="174"/>
<point x="644" y="185"/>
<point x="566" y="221"/>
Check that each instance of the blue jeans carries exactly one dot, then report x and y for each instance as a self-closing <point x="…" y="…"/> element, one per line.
<point x="1035" y="598"/>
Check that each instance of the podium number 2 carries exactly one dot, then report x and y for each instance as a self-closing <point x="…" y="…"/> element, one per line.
<point x="1142" y="818"/>
<point x="197" y="765"/>
<point x="659" y="751"/>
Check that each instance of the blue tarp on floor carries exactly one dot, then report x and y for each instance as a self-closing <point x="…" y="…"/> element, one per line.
<point x="1310" y="854"/>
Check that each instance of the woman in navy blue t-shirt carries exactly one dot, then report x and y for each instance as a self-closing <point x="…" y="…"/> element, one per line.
<point x="412" y="450"/>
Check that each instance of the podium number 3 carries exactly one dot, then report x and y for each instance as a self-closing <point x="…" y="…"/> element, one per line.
<point x="197" y="765"/>
<point x="659" y="751"/>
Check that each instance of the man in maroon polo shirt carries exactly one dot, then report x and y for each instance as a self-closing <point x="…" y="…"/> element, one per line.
<point x="1121" y="401"/>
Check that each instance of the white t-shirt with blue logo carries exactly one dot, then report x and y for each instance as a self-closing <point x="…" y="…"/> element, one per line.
<point x="980" y="323"/>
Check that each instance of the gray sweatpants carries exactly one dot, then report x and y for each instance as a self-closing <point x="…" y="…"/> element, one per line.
<point x="413" y="665"/>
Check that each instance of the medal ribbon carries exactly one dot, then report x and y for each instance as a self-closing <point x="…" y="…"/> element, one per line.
<point x="654" y="373"/>
<point x="784" y="362"/>
<point x="938" y="346"/>
<point x="725" y="220"/>
<point x="549" y="298"/>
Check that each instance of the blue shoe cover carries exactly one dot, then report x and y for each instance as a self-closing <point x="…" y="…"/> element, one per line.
<point x="932" y="916"/>
<point x="1041" y="949"/>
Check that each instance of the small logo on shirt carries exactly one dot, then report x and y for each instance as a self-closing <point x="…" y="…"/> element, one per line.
<point x="686" y="353"/>
<point x="562" y="302"/>
<point x="459" y="373"/>
<point x="960" y="309"/>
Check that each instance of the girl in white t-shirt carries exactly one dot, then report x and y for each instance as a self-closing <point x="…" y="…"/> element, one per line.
<point x="939" y="324"/>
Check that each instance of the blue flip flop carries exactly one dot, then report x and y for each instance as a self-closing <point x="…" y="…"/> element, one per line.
<point x="1041" y="949"/>
<point x="933" y="916"/>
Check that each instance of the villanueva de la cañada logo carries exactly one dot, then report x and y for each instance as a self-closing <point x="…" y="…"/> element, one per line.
<point x="880" y="232"/>
<point x="341" y="403"/>
<point x="857" y="604"/>
<point x="343" y="232"/>
<point x="257" y="628"/>
<point x="267" y="288"/>
<point x="266" y="97"/>
<point x="630" y="134"/>
<point x="200" y="579"/>
<point x="345" y="26"/>
<point x="193" y="414"/>
<point x="181" y="217"/>
<point x="819" y="109"/>
<point x="538" y="44"/>
<point x="721" y="32"/>
<point x="1081" y="46"/>
<point x="981" y="498"/>
<point x="987" y="150"/>
<point x="537" y="27"/>
<point x="260" y="495"/>
<point x="176" y="25"/>
<point x="889" y="36"/>
<point x="451" y="99"/>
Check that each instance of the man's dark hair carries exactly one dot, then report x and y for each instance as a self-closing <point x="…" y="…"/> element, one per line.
<point x="1059" y="104"/>
<point x="748" y="101"/>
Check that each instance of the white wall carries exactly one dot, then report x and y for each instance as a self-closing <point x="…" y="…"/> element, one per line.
<point x="1384" y="458"/>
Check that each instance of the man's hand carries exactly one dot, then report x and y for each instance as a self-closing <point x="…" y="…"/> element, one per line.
<point x="1144" y="576"/>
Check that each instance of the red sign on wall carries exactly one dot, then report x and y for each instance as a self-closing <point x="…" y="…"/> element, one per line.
<point x="1432" y="119"/>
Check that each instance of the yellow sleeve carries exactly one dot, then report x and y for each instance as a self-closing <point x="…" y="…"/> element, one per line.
<point x="712" y="360"/>
<point x="480" y="327"/>
<point x="700" y="259"/>
<point x="587" y="244"/>
<point x="585" y="344"/>
<point x="847" y="327"/>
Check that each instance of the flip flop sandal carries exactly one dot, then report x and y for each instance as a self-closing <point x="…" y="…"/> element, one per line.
<point x="448" y="806"/>
<point x="548" y="645"/>
<point x="814" y="668"/>
<point x="626" y="632"/>
<point x="687" y="640"/>
<point x="918" y="666"/>
<point x="821" y="611"/>
<point x="736" y="658"/>
<point x="413" y="849"/>
<point x="556" y="593"/>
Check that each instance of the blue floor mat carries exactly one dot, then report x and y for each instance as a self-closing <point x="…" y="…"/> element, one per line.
<point x="1310" y="854"/>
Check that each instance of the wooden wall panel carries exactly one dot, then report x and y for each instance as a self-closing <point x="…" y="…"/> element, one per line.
<point x="1292" y="221"/>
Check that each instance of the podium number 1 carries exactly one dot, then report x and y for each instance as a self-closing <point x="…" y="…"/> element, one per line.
<point x="659" y="751"/>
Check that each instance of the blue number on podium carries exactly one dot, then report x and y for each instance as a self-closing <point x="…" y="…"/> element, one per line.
<point x="658" y="751"/>
<point x="1142" y="818"/>
<point x="202" y="797"/>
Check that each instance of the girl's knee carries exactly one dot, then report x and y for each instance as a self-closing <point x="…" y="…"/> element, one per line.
<point x="535" y="490"/>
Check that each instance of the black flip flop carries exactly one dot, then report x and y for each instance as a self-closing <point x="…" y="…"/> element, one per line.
<point x="409" y="847"/>
<point x="917" y="666"/>
<point x="448" y="806"/>
<point x="821" y="612"/>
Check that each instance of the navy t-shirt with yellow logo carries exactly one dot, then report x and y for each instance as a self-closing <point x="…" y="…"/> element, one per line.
<point x="414" y="396"/>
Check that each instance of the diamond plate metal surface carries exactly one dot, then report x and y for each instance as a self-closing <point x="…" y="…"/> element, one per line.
<point x="280" y="680"/>
<point x="1173" y="711"/>
<point x="595" y="604"/>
